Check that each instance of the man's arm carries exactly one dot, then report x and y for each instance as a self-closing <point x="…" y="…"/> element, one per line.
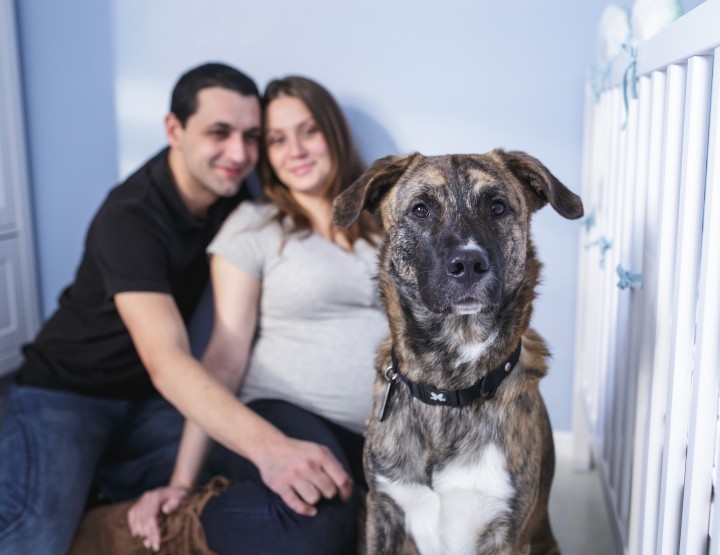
<point x="160" y="337"/>
<point x="300" y="472"/>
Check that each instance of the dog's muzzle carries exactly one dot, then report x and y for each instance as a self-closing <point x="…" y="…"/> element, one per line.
<point x="463" y="280"/>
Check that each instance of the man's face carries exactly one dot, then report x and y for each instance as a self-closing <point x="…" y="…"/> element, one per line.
<point x="216" y="149"/>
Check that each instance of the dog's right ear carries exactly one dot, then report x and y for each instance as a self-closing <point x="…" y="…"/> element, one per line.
<point x="365" y="193"/>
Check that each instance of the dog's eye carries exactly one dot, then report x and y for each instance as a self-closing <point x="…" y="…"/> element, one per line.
<point x="420" y="210"/>
<point x="497" y="208"/>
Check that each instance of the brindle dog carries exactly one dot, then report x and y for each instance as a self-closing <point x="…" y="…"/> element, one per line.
<point x="459" y="451"/>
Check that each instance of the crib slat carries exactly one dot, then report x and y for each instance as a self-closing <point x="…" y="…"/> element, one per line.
<point x="619" y="304"/>
<point x="588" y="364"/>
<point x="626" y="235"/>
<point x="607" y="306"/>
<point x="591" y="375"/>
<point x="611" y="110"/>
<point x="705" y="382"/>
<point x="646" y="491"/>
<point x="635" y="400"/>
<point x="581" y="457"/>
<point x="667" y="226"/>
<point x="685" y="298"/>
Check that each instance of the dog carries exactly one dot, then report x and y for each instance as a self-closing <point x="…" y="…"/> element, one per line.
<point x="459" y="450"/>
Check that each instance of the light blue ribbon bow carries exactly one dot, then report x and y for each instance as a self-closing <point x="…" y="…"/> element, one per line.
<point x="588" y="222"/>
<point x="629" y="79"/>
<point x="628" y="280"/>
<point x="603" y="245"/>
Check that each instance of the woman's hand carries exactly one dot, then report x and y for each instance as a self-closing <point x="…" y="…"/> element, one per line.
<point x="302" y="473"/>
<point x="143" y="515"/>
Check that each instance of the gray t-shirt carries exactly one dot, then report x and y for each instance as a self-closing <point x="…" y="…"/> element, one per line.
<point x="319" y="322"/>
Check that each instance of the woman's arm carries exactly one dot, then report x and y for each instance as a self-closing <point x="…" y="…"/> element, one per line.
<point x="236" y="299"/>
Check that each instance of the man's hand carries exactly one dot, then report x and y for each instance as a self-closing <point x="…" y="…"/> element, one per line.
<point x="143" y="515"/>
<point x="302" y="473"/>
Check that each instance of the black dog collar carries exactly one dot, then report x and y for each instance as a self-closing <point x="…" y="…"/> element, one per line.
<point x="484" y="389"/>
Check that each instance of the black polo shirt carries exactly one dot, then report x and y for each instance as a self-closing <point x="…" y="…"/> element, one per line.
<point x="143" y="238"/>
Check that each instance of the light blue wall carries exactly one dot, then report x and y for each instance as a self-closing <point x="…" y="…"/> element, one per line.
<point x="68" y="70"/>
<point x="461" y="76"/>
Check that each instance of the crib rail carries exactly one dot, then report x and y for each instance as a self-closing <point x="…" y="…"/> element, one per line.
<point x="648" y="332"/>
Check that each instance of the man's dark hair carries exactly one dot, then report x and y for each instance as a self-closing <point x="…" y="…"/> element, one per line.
<point x="184" y="99"/>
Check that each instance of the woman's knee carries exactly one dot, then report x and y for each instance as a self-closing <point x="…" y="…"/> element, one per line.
<point x="249" y="518"/>
<point x="301" y="424"/>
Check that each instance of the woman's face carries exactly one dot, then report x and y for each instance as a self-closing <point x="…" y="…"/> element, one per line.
<point x="296" y="148"/>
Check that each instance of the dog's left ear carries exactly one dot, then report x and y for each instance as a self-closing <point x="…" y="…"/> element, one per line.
<point x="544" y="186"/>
<point x="365" y="193"/>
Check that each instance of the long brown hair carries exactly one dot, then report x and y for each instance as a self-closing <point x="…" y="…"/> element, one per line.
<point x="346" y="163"/>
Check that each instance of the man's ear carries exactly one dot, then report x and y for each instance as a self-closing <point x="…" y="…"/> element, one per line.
<point x="173" y="129"/>
<point x="541" y="185"/>
<point x="367" y="191"/>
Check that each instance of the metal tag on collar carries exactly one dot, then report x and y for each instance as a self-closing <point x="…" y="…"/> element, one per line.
<point x="485" y="394"/>
<point x="390" y="377"/>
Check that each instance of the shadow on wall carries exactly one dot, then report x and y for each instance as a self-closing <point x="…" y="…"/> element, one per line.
<point x="371" y="139"/>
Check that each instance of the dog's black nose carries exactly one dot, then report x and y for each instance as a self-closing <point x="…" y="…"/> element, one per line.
<point x="467" y="264"/>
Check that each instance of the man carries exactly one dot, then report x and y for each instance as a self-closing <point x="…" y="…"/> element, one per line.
<point x="85" y="409"/>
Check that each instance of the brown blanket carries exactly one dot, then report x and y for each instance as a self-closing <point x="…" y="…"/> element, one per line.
<point x="105" y="529"/>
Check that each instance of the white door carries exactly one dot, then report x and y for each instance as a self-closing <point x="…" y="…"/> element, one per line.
<point x="19" y="306"/>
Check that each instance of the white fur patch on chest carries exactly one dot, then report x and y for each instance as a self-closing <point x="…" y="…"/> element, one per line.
<point x="464" y="499"/>
<point x="471" y="351"/>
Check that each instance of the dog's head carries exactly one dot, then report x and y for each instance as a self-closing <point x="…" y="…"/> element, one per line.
<point x="456" y="226"/>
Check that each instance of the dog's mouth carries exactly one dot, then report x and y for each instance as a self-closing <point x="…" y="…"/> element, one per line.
<point x="467" y="305"/>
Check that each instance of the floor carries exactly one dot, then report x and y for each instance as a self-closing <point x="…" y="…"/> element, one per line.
<point x="577" y="509"/>
<point x="578" y="513"/>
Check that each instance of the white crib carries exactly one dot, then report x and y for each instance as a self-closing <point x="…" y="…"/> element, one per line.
<point x="647" y="381"/>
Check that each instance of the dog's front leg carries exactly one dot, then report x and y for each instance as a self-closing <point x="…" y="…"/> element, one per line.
<point x="385" y="526"/>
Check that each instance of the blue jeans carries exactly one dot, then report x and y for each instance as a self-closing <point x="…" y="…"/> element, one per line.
<point x="54" y="445"/>
<point x="248" y="518"/>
